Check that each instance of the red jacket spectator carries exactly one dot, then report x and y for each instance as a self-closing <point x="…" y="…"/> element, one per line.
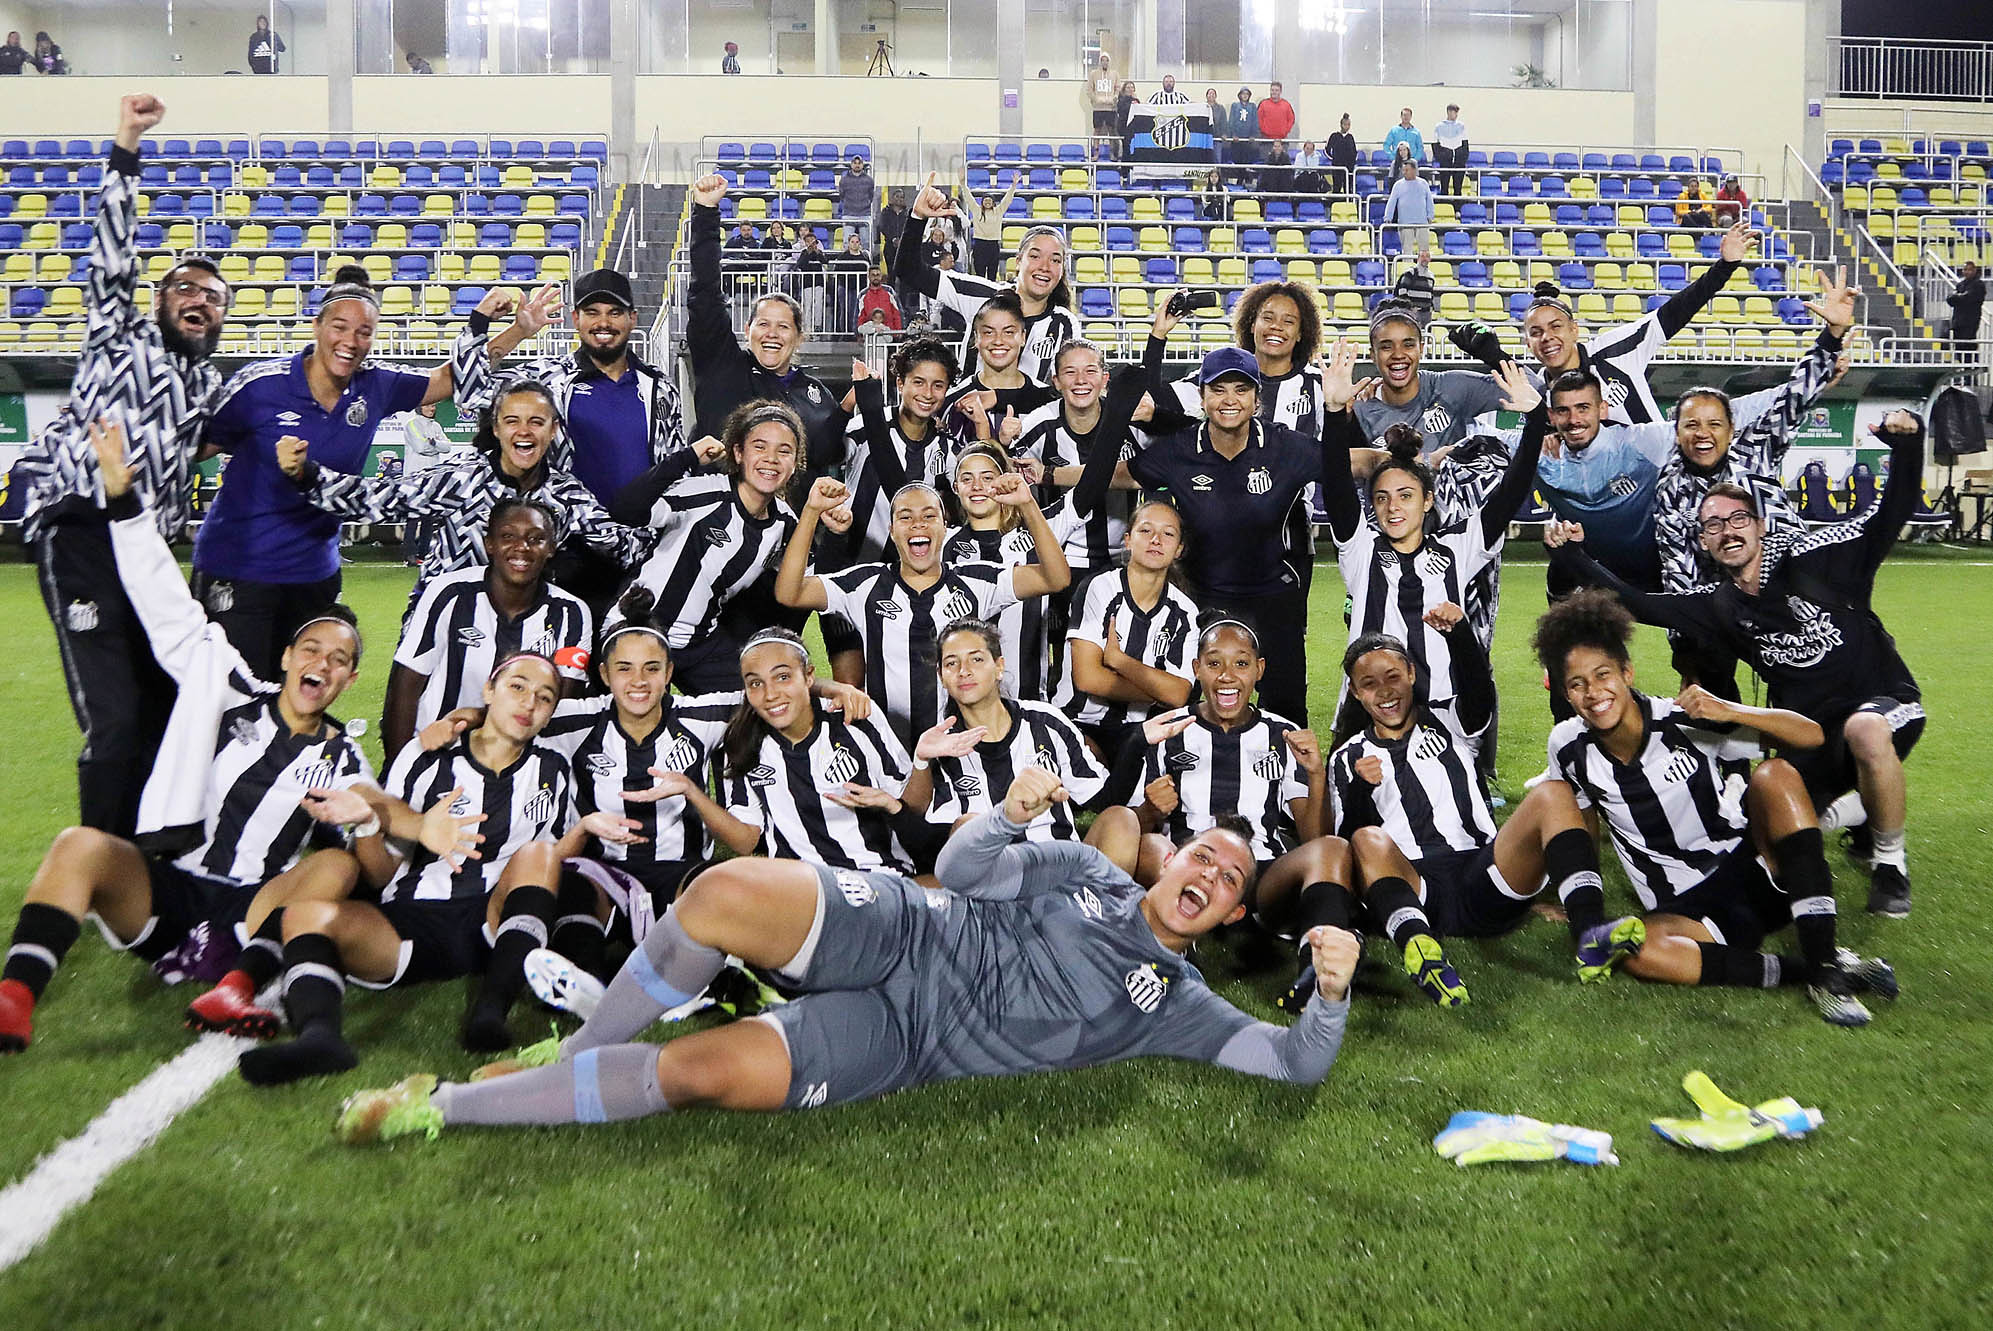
<point x="1276" y="115"/>
<point x="880" y="299"/>
<point x="1731" y="202"/>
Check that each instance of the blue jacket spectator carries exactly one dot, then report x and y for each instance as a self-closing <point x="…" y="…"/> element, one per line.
<point x="1410" y="203"/>
<point x="1404" y="132"/>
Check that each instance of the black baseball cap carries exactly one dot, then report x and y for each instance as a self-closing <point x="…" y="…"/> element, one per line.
<point x="604" y="284"/>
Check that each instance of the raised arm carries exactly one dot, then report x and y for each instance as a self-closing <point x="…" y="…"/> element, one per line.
<point x="1051" y="573"/>
<point x="883" y="453"/>
<point x="1519" y="477"/>
<point x="709" y="335"/>
<point x="1679" y="309"/>
<point x="1685" y="612"/>
<point x="1124" y="393"/>
<point x="477" y="351"/>
<point x="911" y="264"/>
<point x="114" y="264"/>
<point x="1904" y="432"/>
<point x="634" y="505"/>
<point x="1473" y="679"/>
<point x="984" y="859"/>
<point x="1341" y="433"/>
<point x="795" y="585"/>
<point x="1786" y="729"/>
<point x="629" y="545"/>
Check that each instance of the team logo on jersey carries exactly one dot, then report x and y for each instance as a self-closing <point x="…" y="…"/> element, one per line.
<point x="842" y="767"/>
<point x="288" y="418"/>
<point x="815" y="393"/>
<point x="1681" y="766"/>
<point x="1435" y="421"/>
<point x="956" y="604"/>
<point x="1429" y="743"/>
<point x="545" y="644"/>
<point x="540" y="808"/>
<point x="1815" y="635"/>
<point x="1258" y="481"/>
<point x="80" y="616"/>
<point x="1616" y="393"/>
<point x="1089" y="903"/>
<point x="357" y="413"/>
<point x="887" y="608"/>
<point x="1183" y="760"/>
<point x="968" y="786"/>
<point x="460" y="806"/>
<point x="937" y="898"/>
<point x="857" y="889"/>
<point x="718" y="535"/>
<point x="1268" y="764"/>
<point x="242" y="731"/>
<point x="312" y="774"/>
<point x="1146" y="987"/>
<point x="763" y="775"/>
<point x="1166" y="639"/>
<point x="682" y="756"/>
<point x="221" y="597"/>
<point x="470" y="636"/>
<point x="1432" y="562"/>
<point x="1623" y="486"/>
<point x="601" y="764"/>
<point x="816" y="1096"/>
<point x="1048" y="760"/>
<point x="1200" y="482"/>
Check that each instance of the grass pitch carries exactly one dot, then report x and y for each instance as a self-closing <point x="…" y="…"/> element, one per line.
<point x="1151" y="1194"/>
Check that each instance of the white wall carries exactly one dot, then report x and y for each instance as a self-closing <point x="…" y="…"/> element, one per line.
<point x="542" y="106"/>
<point x="1756" y="101"/>
<point x="218" y="106"/>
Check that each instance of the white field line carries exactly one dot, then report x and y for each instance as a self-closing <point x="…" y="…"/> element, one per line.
<point x="70" y="1174"/>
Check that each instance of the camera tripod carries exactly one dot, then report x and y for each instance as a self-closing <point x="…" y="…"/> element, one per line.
<point x="882" y="61"/>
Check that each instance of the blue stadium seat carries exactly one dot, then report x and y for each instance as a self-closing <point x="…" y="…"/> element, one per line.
<point x="1640" y="187"/>
<point x="1508" y="214"/>
<point x="1475" y="157"/>
<point x="1120" y="237"/>
<point x="1504" y="160"/>
<point x="1366" y="184"/>
<point x="1653" y="162"/>
<point x="1792" y="310"/>
<point x="1072" y="152"/>
<point x="333" y="151"/>
<point x="176" y="148"/>
<point x="1588" y="245"/>
<point x="1536" y="161"/>
<point x="596" y="150"/>
<point x="528" y="148"/>
<point x="564" y="235"/>
<point x="1009" y="152"/>
<point x="1456" y="242"/>
<point x="1311" y="210"/>
<point x="1519" y="306"/>
<point x="356" y="236"/>
<point x="27" y="302"/>
<point x="1597" y="162"/>
<point x="1525" y="242"/>
<point x="1180" y="209"/>
<point x="1020" y="206"/>
<point x="305" y="205"/>
<point x="1080" y="208"/>
<point x="76" y="236"/>
<point x="320" y="177"/>
<point x="1474" y="275"/>
<point x="572" y="205"/>
<point x="1159" y="272"/>
<point x="452" y="176"/>
<point x="583" y="175"/>
<point x="1570" y="215"/>
<point x="367" y="205"/>
<point x="507" y="205"/>
<point x="466" y="299"/>
<point x="418" y="176"/>
<point x="1324" y="241"/>
<point x="400" y="150"/>
<point x="302" y="268"/>
<point x="1565" y="161"/>
<point x="1096" y="303"/>
<point x="1710" y="245"/>
<point x="1280" y="210"/>
<point x="415" y="267"/>
<point x="1672" y="276"/>
<point x="1650" y="245"/>
<point x="976" y="152"/>
<point x="1267" y="270"/>
<point x="1474" y="214"/>
<point x="427" y="236"/>
<point x="465" y="148"/>
<point x="494" y="235"/>
<point x="1256" y="241"/>
<point x="1768" y="278"/>
<point x="1042" y="178"/>
<point x="1553" y="187"/>
<point x="501" y="148"/>
<point x="1039" y="152"/>
<point x="1369" y="273"/>
<point x="163" y="205"/>
<point x="1520" y="185"/>
<point x="1188" y="239"/>
<point x="1669" y="188"/>
<point x="287" y="237"/>
<point x="405" y="206"/>
<point x="15" y="150"/>
<point x="1574" y="276"/>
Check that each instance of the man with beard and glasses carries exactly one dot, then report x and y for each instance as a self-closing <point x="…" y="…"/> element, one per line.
<point x="149" y="373"/>
<point x="621" y="413"/>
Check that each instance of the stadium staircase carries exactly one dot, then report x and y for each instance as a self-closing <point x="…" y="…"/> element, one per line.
<point x="645" y="235"/>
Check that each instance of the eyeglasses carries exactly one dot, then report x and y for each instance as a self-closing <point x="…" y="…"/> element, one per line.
<point x="212" y="295"/>
<point x="1737" y="520"/>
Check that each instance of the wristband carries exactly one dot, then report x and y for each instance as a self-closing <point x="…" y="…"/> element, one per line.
<point x="920" y="764"/>
<point x="372" y="827"/>
<point x="479" y="323"/>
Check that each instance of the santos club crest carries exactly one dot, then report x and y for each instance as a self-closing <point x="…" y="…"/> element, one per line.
<point x="1146" y="987"/>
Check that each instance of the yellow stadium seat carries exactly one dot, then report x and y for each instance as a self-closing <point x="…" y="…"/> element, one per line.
<point x="1748" y="344"/>
<point x="318" y="237"/>
<point x="253" y="176"/>
<point x="1335" y="273"/>
<point x="1888" y="170"/>
<point x="1681" y="245"/>
<point x="1620" y="245"/>
<point x="384" y="176"/>
<point x="1090" y="269"/>
<point x="1214" y="334"/>
<point x="180" y="236"/>
<point x="1356" y="241"/>
<point x="1726" y="310"/>
<point x="10" y="335"/>
<point x="435" y="299"/>
<point x="1631" y="215"/>
<point x="817" y="210"/>
<point x="1300" y="270"/>
<point x="1343" y="213"/>
<point x="283" y="302"/>
<point x="1147" y="208"/>
<point x="1127" y="268"/>
<point x="1044" y="208"/>
<point x="1075" y="178"/>
<point x="156" y="266"/>
<point x="397" y="301"/>
<point x="267" y="268"/>
<point x="1442" y="273"/>
<point x="540" y="205"/>
<point x="1246" y="212"/>
<point x="1539" y="271"/>
<point x="1592" y="308"/>
<point x="1153" y="240"/>
<point x="248" y="303"/>
<point x="1132" y="302"/>
<point x="1759" y="310"/>
<point x="36" y="205"/>
<point x="1102" y="335"/>
<point x="380" y="268"/>
<point x="42" y="333"/>
<point x="791" y="179"/>
<point x="1453" y="307"/>
<point x="1537" y="214"/>
<point x="1506" y="274"/>
<point x="1881" y="197"/>
<point x="1445" y="214"/>
<point x="65" y="302"/>
<point x="1290" y="240"/>
<point x="42" y="236"/>
<point x="54" y="268"/>
<point x="1491" y="242"/>
<point x="1232" y="272"/>
<point x="1222" y="240"/>
<point x="1855" y="197"/>
<point x="1716" y="343"/>
<point x="518" y="177"/>
<point x="1584" y="187"/>
<point x="1942" y="196"/>
<point x="1555" y="243"/>
<point x="252" y="236"/>
<point x="1490" y="307"/>
<point x="1013" y="236"/>
<point x="1640" y="276"/>
<point x="1084" y="238"/>
<point x="391" y="236"/>
<point x="439" y="205"/>
<point x="1906" y="253"/>
<point x="1198" y="273"/>
<point x="337" y="205"/>
<point x="18" y="267"/>
<point x="556" y="268"/>
<point x="235" y="205"/>
<point x="530" y="236"/>
<point x="1781" y="343"/>
<point x="234" y="269"/>
<point x="1608" y="275"/>
<point x="753" y="208"/>
<point x="1627" y="307"/>
<point x="1348" y="307"/>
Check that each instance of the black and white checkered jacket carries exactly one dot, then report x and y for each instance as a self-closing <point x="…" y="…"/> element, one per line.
<point x="459" y="491"/>
<point x="126" y="374"/>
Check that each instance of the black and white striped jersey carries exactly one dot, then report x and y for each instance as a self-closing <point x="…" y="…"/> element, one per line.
<point x="1249" y="771"/>
<point x="1026" y="625"/>
<point x="1040" y="736"/>
<point x="1097" y="542"/>
<point x="1675" y="811"/>
<point x="1164" y="637"/>
<point x="1043" y="335"/>
<point x="1390" y="592"/>
<point x="1293" y="400"/>
<point x="456" y="636"/>
<point x="607" y="761"/>
<point x="1429" y="800"/>
<point x="879" y="458"/>
<point x="900" y="629"/>
<point x="785" y="793"/>
<point x="532" y="800"/>
<point x="709" y="550"/>
<point x="126" y="375"/>
<point x="459" y="491"/>
<point x="959" y="418"/>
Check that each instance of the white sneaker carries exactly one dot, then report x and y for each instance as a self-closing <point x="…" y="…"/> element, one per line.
<point x="560" y="983"/>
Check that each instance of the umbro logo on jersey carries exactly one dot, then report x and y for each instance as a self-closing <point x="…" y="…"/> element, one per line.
<point x="460" y="806"/>
<point x="1682" y="766"/>
<point x="1200" y="482"/>
<point x="540" y="808"/>
<point x="718" y="536"/>
<point x="601" y="764"/>
<point x="242" y="731"/>
<point x="1258" y="481"/>
<point x="1268" y="764"/>
<point x="1089" y="903"/>
<point x="857" y="889"/>
<point x="288" y="418"/>
<point x="761" y="776"/>
<point x="80" y="616"/>
<point x="842" y="767"/>
<point x="682" y="756"/>
<point x="1183" y="761"/>
<point x="1623" y="486"/>
<point x="886" y="608"/>
<point x="313" y="774"/>
<point x="968" y="785"/>
<point x="816" y="1096"/>
<point x="469" y="636"/>
<point x="1429" y="744"/>
<point x="1145" y="987"/>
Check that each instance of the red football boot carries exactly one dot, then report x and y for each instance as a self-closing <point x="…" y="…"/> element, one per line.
<point x="230" y="1008"/>
<point x="17" y="1027"/>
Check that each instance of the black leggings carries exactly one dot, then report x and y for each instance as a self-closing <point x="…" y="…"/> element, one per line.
<point x="261" y="618"/>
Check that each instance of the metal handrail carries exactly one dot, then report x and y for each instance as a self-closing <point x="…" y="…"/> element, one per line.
<point x="1890" y="67"/>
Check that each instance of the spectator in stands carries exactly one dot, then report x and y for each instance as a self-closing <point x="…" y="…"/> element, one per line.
<point x="48" y="56"/>
<point x="1403" y="137"/>
<point x="13" y="55"/>
<point x="1308" y="169"/>
<point x="1169" y="96"/>
<point x="1449" y="151"/>
<point x="986" y="230"/>
<point x="1277" y="174"/>
<point x="264" y="47"/>
<point x="730" y="61"/>
<point x="848" y="269"/>
<point x="418" y="65"/>
<point x="1411" y="207"/>
<point x="877" y="301"/>
<point x="1241" y="123"/>
<point x="940" y="244"/>
<point x="776" y="240"/>
<point x="424" y="440"/>
<point x="1693" y="208"/>
<point x="1967" y="300"/>
<point x="892" y="220"/>
<point x="857" y="197"/>
<point x="743" y="238"/>
<point x="1101" y="97"/>
<point x="1342" y="158"/>
<point x="811" y="265"/>
<point x="1276" y="116"/>
<point x="1211" y="197"/>
<point x="1732" y="204"/>
<point x="1220" y="125"/>
<point x="1122" y="109"/>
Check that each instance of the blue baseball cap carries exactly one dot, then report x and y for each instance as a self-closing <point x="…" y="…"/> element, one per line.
<point x="1228" y="360"/>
